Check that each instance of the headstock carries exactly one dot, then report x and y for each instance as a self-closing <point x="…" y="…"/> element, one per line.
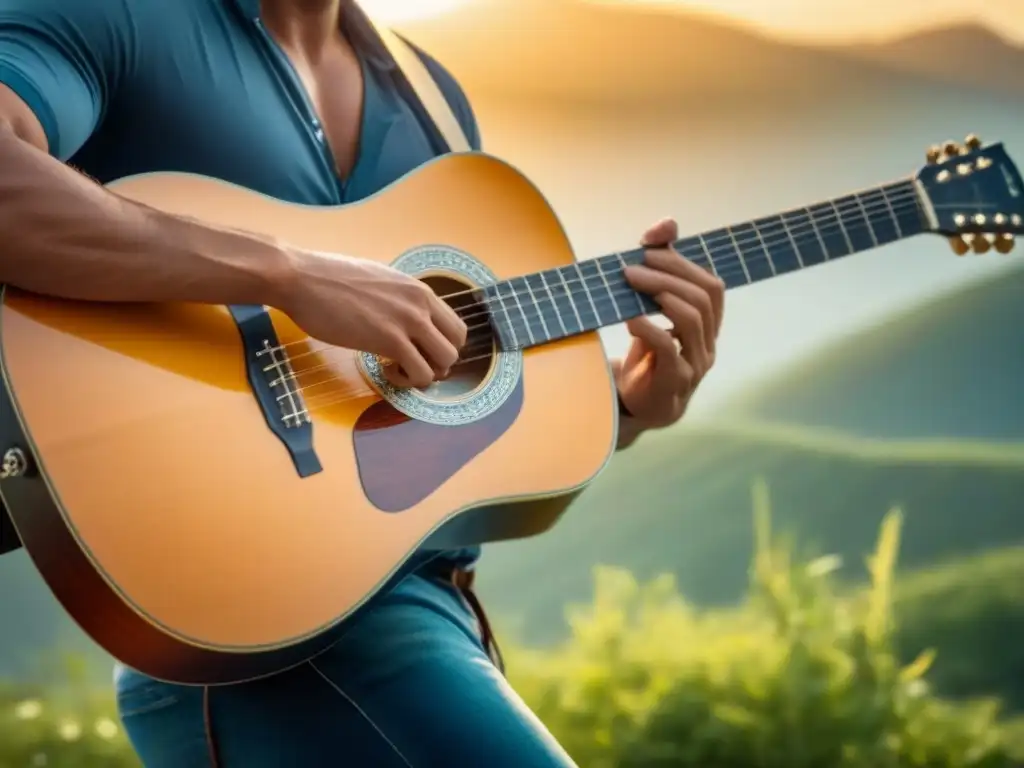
<point x="974" y="195"/>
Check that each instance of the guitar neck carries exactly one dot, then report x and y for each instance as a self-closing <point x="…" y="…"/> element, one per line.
<point x="558" y="303"/>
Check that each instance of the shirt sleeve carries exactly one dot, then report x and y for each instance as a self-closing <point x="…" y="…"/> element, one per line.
<point x="64" y="59"/>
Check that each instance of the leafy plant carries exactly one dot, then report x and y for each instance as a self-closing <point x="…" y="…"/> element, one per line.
<point x="798" y="677"/>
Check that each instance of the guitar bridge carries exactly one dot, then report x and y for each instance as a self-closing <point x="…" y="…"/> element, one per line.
<point x="284" y="383"/>
<point x="275" y="386"/>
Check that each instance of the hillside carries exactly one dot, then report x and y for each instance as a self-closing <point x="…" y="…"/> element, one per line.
<point x="680" y="502"/>
<point x="922" y="411"/>
<point x="951" y="367"/>
<point x="967" y="55"/>
<point x="595" y="52"/>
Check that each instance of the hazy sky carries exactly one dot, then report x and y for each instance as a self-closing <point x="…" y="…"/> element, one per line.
<point x="834" y="18"/>
<point x="844" y="18"/>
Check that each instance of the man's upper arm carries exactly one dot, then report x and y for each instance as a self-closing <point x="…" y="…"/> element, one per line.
<point x="62" y="59"/>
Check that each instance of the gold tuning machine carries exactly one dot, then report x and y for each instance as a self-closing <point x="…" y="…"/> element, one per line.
<point x="959" y="245"/>
<point x="972" y="142"/>
<point x="982" y="243"/>
<point x="1004" y="243"/>
<point x="933" y="154"/>
<point x="950" y="149"/>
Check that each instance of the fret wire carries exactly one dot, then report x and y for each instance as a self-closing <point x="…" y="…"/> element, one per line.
<point x="784" y="252"/>
<point x="792" y="240"/>
<point x="880" y="214"/>
<point x="639" y="301"/>
<point x="892" y="212"/>
<point x="864" y="212"/>
<point x="905" y="202"/>
<point x="607" y="286"/>
<point x="764" y="247"/>
<point x="540" y="313"/>
<point x="526" y="322"/>
<point x="817" y="232"/>
<point x="590" y="295"/>
<point x="572" y="301"/>
<point x="909" y="202"/>
<point x="571" y="294"/>
<point x="842" y="225"/>
<point x="707" y="254"/>
<point x="739" y="254"/>
<point x="508" y="315"/>
<point x="558" y="312"/>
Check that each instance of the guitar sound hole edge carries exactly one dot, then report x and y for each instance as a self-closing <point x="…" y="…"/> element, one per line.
<point x="401" y="460"/>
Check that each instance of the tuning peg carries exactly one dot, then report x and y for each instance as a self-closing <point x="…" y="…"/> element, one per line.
<point x="950" y="149"/>
<point x="982" y="243"/>
<point x="1004" y="243"/>
<point x="972" y="142"/>
<point x="933" y="154"/>
<point x="959" y="245"/>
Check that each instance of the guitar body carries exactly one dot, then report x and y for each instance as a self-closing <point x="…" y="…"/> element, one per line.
<point x="180" y="530"/>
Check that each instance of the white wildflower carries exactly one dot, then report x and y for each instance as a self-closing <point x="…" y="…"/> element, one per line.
<point x="69" y="730"/>
<point x="105" y="728"/>
<point x="28" y="710"/>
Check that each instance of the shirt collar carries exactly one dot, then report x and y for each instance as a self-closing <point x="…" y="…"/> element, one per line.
<point x="357" y="28"/>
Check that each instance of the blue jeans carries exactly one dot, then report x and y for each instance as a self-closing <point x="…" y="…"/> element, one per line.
<point x="410" y="686"/>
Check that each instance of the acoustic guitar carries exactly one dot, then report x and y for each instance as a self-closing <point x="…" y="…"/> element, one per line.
<point x="212" y="494"/>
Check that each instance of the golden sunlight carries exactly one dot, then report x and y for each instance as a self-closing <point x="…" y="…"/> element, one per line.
<point x="837" y="19"/>
<point x="390" y="11"/>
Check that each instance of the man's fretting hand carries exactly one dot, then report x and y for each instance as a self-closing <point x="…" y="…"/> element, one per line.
<point x="663" y="368"/>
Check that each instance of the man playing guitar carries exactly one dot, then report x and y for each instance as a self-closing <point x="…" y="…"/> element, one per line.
<point x="299" y="100"/>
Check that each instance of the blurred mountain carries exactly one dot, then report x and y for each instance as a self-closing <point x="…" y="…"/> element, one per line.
<point x="968" y="55"/>
<point x="597" y="52"/>
<point x="951" y="368"/>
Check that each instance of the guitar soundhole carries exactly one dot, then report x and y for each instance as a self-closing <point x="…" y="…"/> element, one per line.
<point x="476" y="361"/>
<point x="410" y="443"/>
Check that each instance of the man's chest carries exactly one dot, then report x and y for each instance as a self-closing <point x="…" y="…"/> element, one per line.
<point x="335" y="88"/>
<point x="245" y="114"/>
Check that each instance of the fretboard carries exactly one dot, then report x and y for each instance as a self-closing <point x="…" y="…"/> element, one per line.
<point x="591" y="294"/>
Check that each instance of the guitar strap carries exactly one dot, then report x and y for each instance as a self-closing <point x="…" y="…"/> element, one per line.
<point x="423" y="87"/>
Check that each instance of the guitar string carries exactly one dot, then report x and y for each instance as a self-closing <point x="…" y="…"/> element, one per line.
<point x="729" y="270"/>
<point x="717" y="250"/>
<point x="721" y="264"/>
<point x="485" y="345"/>
<point x="488" y="341"/>
<point x="363" y="390"/>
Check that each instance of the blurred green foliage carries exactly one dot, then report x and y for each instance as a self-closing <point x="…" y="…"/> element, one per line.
<point x="972" y="611"/>
<point x="799" y="676"/>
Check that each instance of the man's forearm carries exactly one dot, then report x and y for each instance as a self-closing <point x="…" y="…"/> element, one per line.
<point x="63" y="235"/>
